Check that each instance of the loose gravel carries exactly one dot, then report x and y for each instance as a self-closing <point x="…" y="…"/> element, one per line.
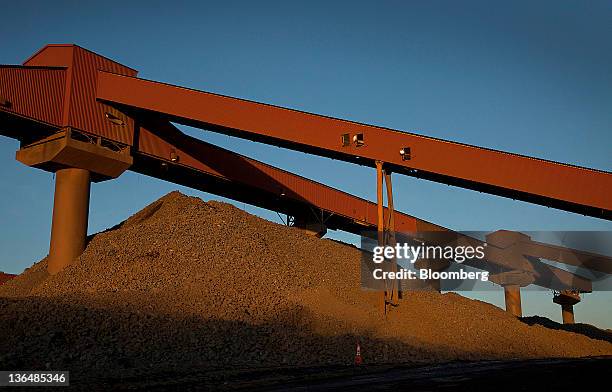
<point x="191" y="284"/>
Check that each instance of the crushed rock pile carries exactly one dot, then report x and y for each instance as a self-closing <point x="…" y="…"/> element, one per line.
<point x="204" y="284"/>
<point x="4" y="277"/>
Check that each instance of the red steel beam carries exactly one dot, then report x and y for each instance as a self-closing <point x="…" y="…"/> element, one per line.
<point x="535" y="180"/>
<point x="162" y="151"/>
<point x="575" y="257"/>
<point x="162" y="141"/>
<point x="198" y="163"/>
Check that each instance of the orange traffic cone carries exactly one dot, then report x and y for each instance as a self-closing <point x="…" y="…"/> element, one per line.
<point x="358" y="360"/>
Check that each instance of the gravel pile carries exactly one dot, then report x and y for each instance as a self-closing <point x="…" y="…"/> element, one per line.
<point x="4" y="277"/>
<point x="186" y="283"/>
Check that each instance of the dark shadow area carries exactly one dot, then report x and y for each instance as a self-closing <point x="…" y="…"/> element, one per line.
<point x="116" y="341"/>
<point x="583" y="329"/>
<point x="139" y="217"/>
<point x="526" y="375"/>
<point x="111" y="343"/>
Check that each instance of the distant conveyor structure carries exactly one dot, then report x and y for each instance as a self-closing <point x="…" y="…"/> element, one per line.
<point x="88" y="118"/>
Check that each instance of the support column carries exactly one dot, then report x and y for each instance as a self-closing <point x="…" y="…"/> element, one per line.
<point x="567" y="299"/>
<point x="70" y="214"/>
<point x="512" y="294"/>
<point x="512" y="281"/>
<point x="567" y="312"/>
<point x="395" y="294"/>
<point x="381" y="225"/>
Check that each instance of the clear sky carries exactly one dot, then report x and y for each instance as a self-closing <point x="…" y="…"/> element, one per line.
<point x="531" y="77"/>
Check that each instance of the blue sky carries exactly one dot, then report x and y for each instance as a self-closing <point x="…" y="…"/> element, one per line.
<point x="531" y="77"/>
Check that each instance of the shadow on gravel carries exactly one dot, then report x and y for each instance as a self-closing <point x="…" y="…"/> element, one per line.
<point x="117" y="342"/>
<point x="139" y="217"/>
<point x="107" y="346"/>
<point x="583" y="329"/>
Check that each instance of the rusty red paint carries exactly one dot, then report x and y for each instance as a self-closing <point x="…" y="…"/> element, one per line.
<point x="80" y="108"/>
<point x="74" y="104"/>
<point x="249" y="174"/>
<point x="536" y="180"/>
<point x="35" y="92"/>
<point x="225" y="164"/>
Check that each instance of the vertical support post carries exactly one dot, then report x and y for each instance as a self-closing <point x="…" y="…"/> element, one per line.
<point x="391" y="225"/>
<point x="512" y="294"/>
<point x="395" y="291"/>
<point x="70" y="215"/>
<point x="567" y="299"/>
<point x="379" y="202"/>
<point x="381" y="222"/>
<point x="567" y="312"/>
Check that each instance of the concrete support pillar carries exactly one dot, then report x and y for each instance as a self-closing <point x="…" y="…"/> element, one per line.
<point x="70" y="215"/>
<point x="567" y="299"/>
<point x="567" y="312"/>
<point x="512" y="294"/>
<point x="512" y="281"/>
